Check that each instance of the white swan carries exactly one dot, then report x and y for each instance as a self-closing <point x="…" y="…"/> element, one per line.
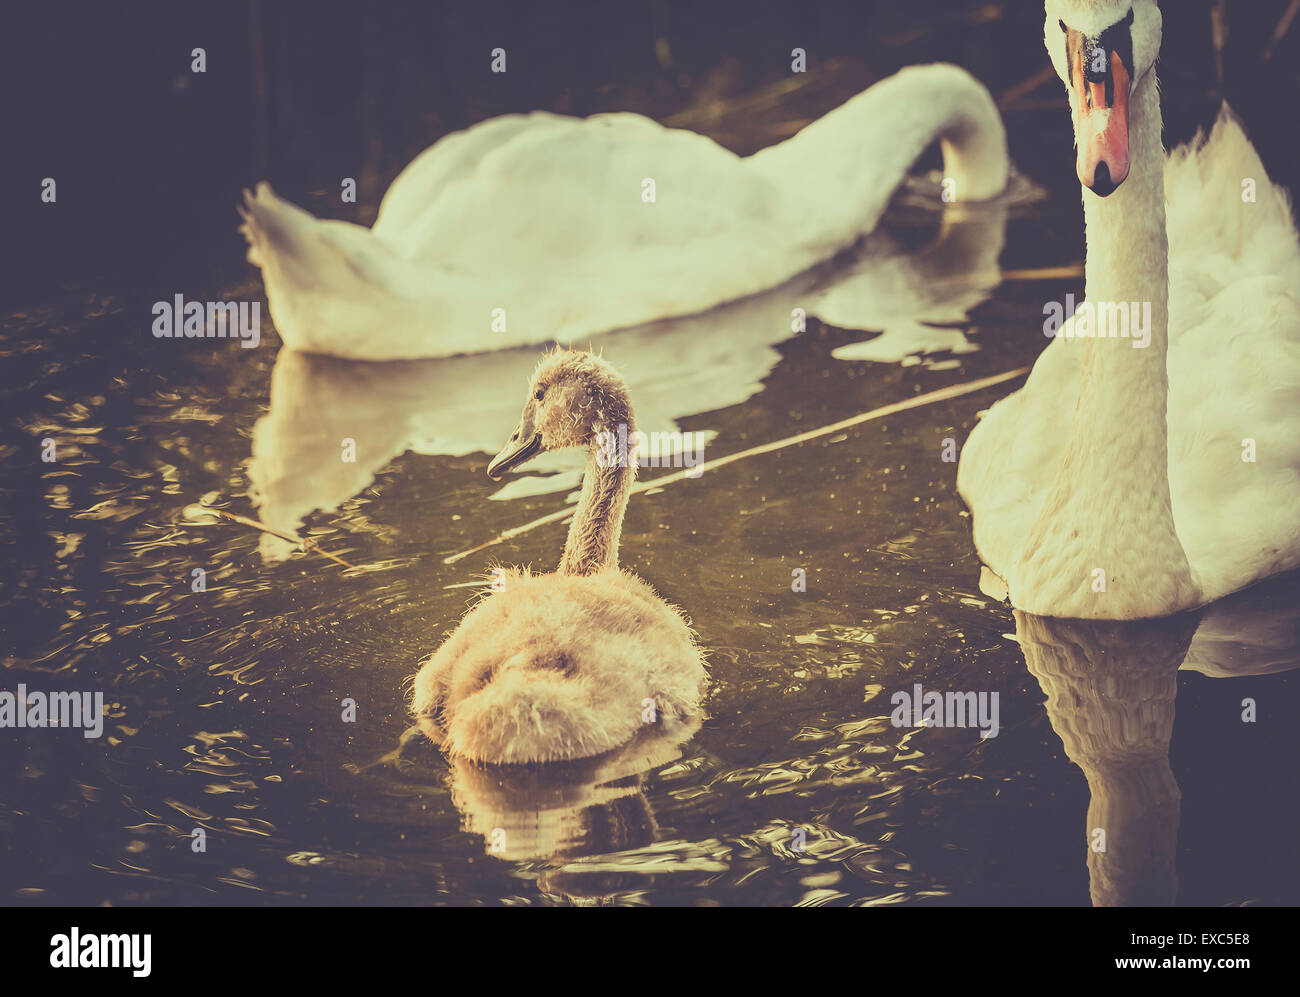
<point x="676" y="368"/>
<point x="530" y="228"/>
<point x="1119" y="483"/>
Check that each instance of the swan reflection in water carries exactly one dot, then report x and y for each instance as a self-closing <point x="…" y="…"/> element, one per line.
<point x="1110" y="689"/>
<point x="674" y="368"/>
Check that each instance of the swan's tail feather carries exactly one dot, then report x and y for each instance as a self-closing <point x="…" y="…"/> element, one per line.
<point x="250" y="229"/>
<point x="301" y="248"/>
<point x="270" y="227"/>
<point x="328" y="283"/>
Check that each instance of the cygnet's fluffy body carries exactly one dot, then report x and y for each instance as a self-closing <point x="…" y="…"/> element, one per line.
<point x="571" y="664"/>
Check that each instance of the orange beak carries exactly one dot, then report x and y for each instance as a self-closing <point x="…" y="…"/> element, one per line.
<point x="1100" y="104"/>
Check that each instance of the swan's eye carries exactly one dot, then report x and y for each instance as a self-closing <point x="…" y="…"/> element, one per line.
<point x="1062" y="24"/>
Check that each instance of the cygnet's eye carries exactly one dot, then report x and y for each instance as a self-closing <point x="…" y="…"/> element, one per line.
<point x="540" y="392"/>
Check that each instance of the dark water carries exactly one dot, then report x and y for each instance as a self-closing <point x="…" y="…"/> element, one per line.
<point x="226" y="705"/>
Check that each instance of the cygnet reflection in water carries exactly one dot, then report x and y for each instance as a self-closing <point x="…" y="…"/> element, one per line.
<point x="574" y="817"/>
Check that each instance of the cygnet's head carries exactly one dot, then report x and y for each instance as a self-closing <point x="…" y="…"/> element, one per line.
<point x="573" y="398"/>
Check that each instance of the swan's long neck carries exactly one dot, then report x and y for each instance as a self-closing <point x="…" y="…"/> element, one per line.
<point x="592" y="544"/>
<point x="1104" y="545"/>
<point x="845" y="166"/>
<point x="1123" y="388"/>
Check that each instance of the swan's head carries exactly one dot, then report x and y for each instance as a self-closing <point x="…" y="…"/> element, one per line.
<point x="572" y="399"/>
<point x="1101" y="50"/>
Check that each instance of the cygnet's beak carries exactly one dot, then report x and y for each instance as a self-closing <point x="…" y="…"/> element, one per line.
<point x="523" y="446"/>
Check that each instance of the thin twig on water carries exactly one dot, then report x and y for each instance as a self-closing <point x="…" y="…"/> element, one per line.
<point x="304" y="544"/>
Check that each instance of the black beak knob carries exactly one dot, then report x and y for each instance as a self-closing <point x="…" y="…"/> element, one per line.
<point x="1101" y="182"/>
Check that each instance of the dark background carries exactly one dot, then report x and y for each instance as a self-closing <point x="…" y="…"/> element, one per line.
<point x="149" y="157"/>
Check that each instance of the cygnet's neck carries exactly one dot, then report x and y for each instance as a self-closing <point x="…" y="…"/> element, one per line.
<point x="592" y="544"/>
